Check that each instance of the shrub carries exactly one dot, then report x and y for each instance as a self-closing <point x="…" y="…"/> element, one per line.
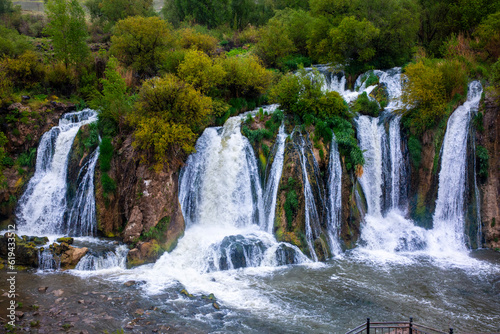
<point x="25" y="71"/>
<point x="190" y="39"/>
<point x="105" y="154"/>
<point x="108" y="184"/>
<point x="482" y="158"/>
<point x="200" y="71"/>
<point x="12" y="44"/>
<point x="363" y="105"/>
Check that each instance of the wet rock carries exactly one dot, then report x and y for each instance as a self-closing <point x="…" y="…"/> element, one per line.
<point x="129" y="283"/>
<point x="139" y="311"/>
<point x="145" y="252"/>
<point x="66" y="240"/>
<point x="26" y="251"/>
<point x="81" y="301"/>
<point x="216" y="306"/>
<point x="19" y="314"/>
<point x="43" y="289"/>
<point x="185" y="293"/>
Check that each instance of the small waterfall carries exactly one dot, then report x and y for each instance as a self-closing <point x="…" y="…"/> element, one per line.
<point x="334" y="213"/>
<point x="398" y="168"/>
<point x="42" y="206"/>
<point x="220" y="183"/>
<point x="104" y="260"/>
<point x="81" y="217"/>
<point x="273" y="180"/>
<point x="312" y="219"/>
<point x="370" y="136"/>
<point x="47" y="261"/>
<point x="448" y="231"/>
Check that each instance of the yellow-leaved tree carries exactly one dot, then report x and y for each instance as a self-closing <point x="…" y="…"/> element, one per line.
<point x="167" y="116"/>
<point x="199" y="70"/>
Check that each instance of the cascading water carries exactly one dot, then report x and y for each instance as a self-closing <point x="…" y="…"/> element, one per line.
<point x="81" y="217"/>
<point x="273" y="180"/>
<point x="42" y="206"/>
<point x="398" y="168"/>
<point x="104" y="260"/>
<point x="334" y="213"/>
<point x="448" y="231"/>
<point x="47" y="261"/>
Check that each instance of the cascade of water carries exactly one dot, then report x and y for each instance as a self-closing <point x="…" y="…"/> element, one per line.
<point x="81" y="217"/>
<point x="398" y="168"/>
<point x="448" y="231"/>
<point x="273" y="180"/>
<point x="370" y="134"/>
<point x="334" y="212"/>
<point x="41" y="208"/>
<point x="105" y="260"/>
<point x="312" y="219"/>
<point x="221" y="180"/>
<point x="47" y="261"/>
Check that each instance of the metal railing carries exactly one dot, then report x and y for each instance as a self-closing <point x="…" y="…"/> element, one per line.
<point x="396" y="327"/>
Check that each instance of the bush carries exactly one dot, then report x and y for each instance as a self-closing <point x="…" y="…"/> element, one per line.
<point x="363" y="105"/>
<point x="61" y="78"/>
<point x="200" y="71"/>
<point x="482" y="158"/>
<point x="105" y="154"/>
<point x="190" y="39"/>
<point x="108" y="184"/>
<point x="25" y="71"/>
<point x="12" y="44"/>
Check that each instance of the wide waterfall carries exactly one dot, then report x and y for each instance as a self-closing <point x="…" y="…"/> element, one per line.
<point x="224" y="205"/>
<point x="449" y="220"/>
<point x="42" y="207"/>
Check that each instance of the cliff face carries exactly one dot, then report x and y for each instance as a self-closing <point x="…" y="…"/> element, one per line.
<point x="489" y="138"/>
<point x="145" y="202"/>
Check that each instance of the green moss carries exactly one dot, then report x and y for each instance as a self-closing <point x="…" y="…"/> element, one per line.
<point x="67" y="240"/>
<point x="482" y="158"/>
<point x="415" y="149"/>
<point x="493" y="222"/>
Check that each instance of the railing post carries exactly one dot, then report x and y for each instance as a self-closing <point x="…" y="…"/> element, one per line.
<point x="451" y="330"/>
<point x="368" y="326"/>
<point x="411" y="325"/>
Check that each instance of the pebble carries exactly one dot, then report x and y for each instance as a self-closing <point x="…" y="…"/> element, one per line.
<point x="43" y="289"/>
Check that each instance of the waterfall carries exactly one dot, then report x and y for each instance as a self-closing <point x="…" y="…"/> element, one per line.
<point x="334" y="217"/>
<point x="449" y="220"/>
<point x="370" y="134"/>
<point x="398" y="167"/>
<point x="42" y="206"/>
<point x="104" y="260"/>
<point x="81" y="217"/>
<point x="273" y="180"/>
<point x="312" y="219"/>
<point x="47" y="261"/>
<point x="223" y="204"/>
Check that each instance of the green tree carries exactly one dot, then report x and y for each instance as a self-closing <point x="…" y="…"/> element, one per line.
<point x="274" y="43"/>
<point x="114" y="102"/>
<point x="353" y="41"/>
<point x="108" y="12"/>
<point x="12" y="44"/>
<point x="6" y="7"/>
<point x="424" y="94"/>
<point x="204" y="12"/>
<point x="488" y="35"/>
<point x="245" y="76"/>
<point x="68" y="30"/>
<point x="201" y="71"/>
<point x="141" y="43"/>
<point x="168" y="115"/>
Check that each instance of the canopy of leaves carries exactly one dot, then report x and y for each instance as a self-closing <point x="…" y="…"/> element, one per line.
<point x="68" y="30"/>
<point x="301" y="94"/>
<point x="201" y="71"/>
<point x="167" y="116"/>
<point x="12" y="44"/>
<point x="107" y="12"/>
<point x="141" y="43"/>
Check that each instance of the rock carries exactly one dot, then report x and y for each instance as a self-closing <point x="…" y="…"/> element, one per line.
<point x="71" y="256"/>
<point x="67" y="240"/>
<point x="25" y="97"/>
<point x="129" y="283"/>
<point x="139" y="311"/>
<point x="26" y="251"/>
<point x="19" y="314"/>
<point x="81" y="301"/>
<point x="187" y="294"/>
<point x="43" y="289"/>
<point x="216" y="306"/>
<point x="134" y="226"/>
<point x="58" y="293"/>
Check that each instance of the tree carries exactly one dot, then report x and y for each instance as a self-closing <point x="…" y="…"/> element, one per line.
<point x="274" y="43"/>
<point x="113" y="103"/>
<point x="168" y="115"/>
<point x="141" y="43"/>
<point x="108" y="12"/>
<point x="200" y="71"/>
<point x="424" y="94"/>
<point x="204" y="12"/>
<point x="68" y="30"/>
<point x="6" y="7"/>
<point x="352" y="41"/>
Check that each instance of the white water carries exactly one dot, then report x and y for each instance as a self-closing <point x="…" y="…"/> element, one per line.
<point x="81" y="218"/>
<point x="398" y="169"/>
<point x="273" y="180"/>
<point x="334" y="218"/>
<point x="47" y="261"/>
<point x="448" y="233"/>
<point x="41" y="208"/>
<point x="106" y="260"/>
